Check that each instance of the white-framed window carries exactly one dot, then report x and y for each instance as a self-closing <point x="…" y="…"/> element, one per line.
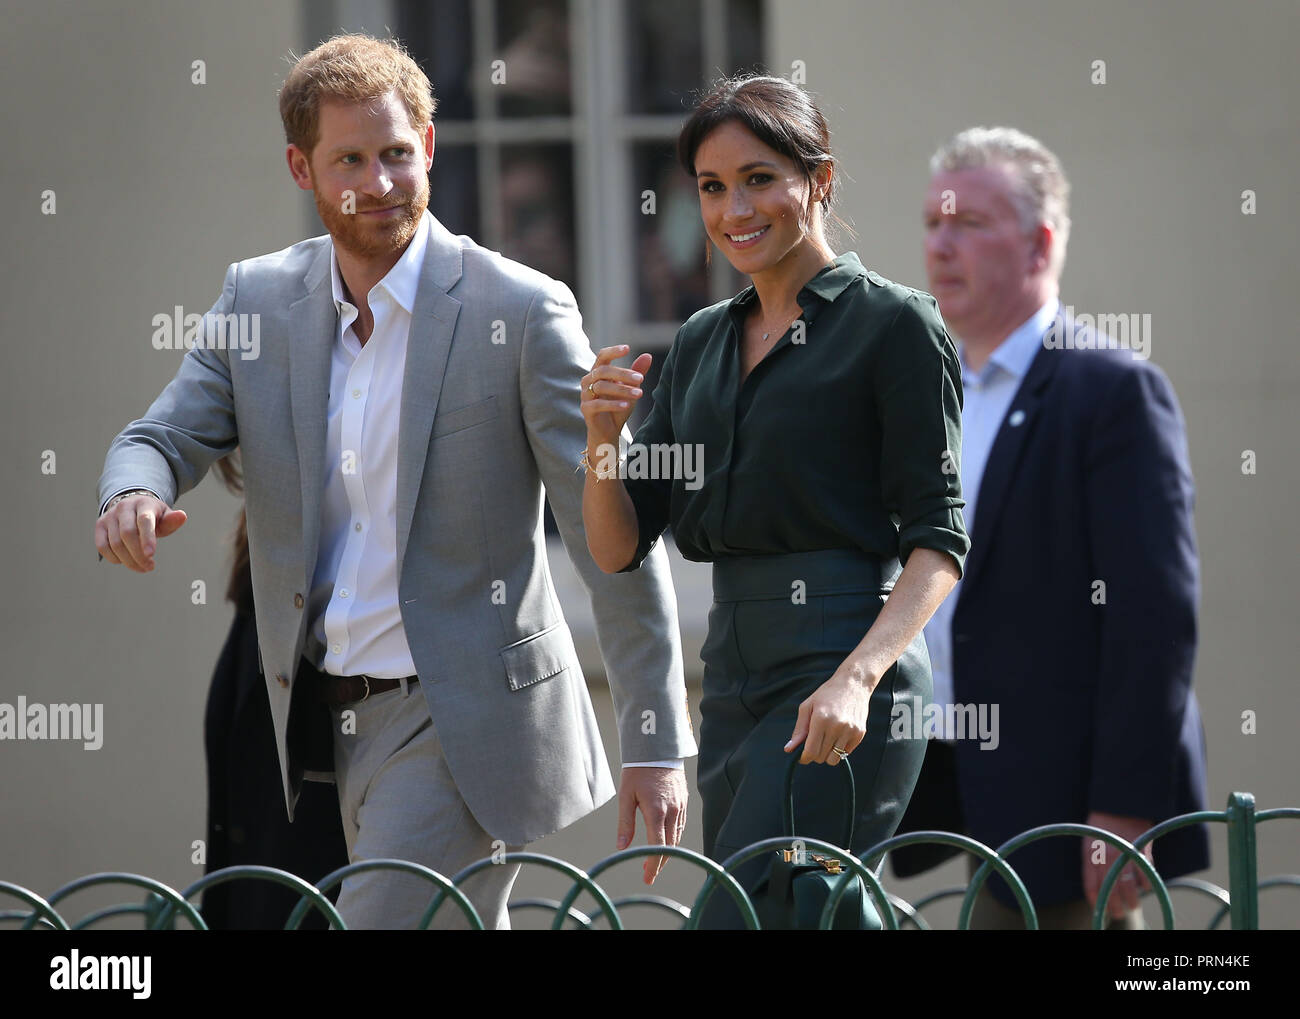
<point x="554" y="119"/>
<point x="555" y="135"/>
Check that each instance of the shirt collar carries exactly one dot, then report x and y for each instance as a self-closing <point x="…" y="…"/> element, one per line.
<point x="831" y="280"/>
<point x="835" y="278"/>
<point x="1016" y="353"/>
<point x="403" y="279"/>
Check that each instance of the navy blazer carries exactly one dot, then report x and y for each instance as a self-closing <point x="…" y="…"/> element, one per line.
<point x="1077" y="616"/>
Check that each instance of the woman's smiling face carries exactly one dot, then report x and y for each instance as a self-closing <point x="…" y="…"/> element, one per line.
<point x="752" y="198"/>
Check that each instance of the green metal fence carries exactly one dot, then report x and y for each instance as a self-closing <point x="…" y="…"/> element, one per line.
<point x="163" y="906"/>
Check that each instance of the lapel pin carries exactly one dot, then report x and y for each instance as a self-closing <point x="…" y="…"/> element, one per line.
<point x="1016" y="419"/>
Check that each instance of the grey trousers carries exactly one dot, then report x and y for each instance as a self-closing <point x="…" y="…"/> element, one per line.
<point x="990" y="915"/>
<point x="398" y="801"/>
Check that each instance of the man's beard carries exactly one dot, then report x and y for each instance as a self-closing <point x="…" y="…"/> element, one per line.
<point x="363" y="237"/>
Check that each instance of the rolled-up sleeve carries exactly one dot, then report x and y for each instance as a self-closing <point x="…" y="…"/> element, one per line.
<point x="652" y="497"/>
<point x="918" y="395"/>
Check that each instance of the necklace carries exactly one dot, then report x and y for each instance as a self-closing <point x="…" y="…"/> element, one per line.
<point x="795" y="319"/>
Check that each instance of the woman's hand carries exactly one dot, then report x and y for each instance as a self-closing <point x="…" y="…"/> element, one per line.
<point x="834" y="716"/>
<point x="609" y="393"/>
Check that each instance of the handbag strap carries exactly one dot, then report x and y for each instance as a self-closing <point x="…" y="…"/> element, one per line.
<point x="787" y="799"/>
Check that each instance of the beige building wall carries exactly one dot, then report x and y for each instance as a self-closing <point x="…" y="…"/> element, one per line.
<point x="160" y="183"/>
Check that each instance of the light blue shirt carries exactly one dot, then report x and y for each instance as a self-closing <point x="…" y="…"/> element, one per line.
<point x="987" y="397"/>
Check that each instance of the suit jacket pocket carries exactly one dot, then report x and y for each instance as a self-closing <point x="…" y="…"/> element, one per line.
<point x="457" y="419"/>
<point x="545" y="654"/>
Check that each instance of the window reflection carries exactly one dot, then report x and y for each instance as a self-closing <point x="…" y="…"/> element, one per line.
<point x="533" y="42"/>
<point x="536" y="198"/>
<point x="438" y="36"/>
<point x="671" y="280"/>
<point x="665" y="64"/>
<point x="453" y="188"/>
<point x="745" y="35"/>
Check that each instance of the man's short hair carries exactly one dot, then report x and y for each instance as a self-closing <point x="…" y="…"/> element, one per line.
<point x="1042" y="194"/>
<point x="352" y="69"/>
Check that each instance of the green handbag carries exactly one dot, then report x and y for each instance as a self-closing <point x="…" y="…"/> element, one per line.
<point x="798" y="884"/>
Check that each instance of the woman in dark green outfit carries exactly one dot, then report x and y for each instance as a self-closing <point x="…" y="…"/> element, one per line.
<point x="825" y="403"/>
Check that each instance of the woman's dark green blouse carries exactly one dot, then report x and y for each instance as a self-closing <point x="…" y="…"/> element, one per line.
<point x="847" y="434"/>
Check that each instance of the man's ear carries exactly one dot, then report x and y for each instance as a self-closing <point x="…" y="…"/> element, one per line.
<point x="1040" y="255"/>
<point x="428" y="146"/>
<point x="299" y="167"/>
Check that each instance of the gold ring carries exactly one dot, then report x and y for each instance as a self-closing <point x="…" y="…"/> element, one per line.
<point x="591" y="388"/>
<point x="844" y="754"/>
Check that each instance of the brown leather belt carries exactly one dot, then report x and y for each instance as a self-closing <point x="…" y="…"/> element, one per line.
<point x="335" y="691"/>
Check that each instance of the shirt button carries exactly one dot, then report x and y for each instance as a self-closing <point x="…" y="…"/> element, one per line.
<point x="282" y="679"/>
<point x="336" y="648"/>
<point x="356" y="393"/>
<point x="357" y="526"/>
<point x="343" y="592"/>
<point x="297" y="601"/>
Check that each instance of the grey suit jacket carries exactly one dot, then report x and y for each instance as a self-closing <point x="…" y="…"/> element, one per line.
<point x="489" y="414"/>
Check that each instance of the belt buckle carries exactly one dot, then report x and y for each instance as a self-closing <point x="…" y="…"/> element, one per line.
<point x="365" y="679"/>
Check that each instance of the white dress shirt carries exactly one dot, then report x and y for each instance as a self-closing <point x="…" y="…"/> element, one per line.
<point x="354" y="621"/>
<point x="987" y="397"/>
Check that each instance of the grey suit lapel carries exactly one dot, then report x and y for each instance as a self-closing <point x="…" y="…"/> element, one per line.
<point x="433" y="323"/>
<point x="312" y="336"/>
<point x="313" y="323"/>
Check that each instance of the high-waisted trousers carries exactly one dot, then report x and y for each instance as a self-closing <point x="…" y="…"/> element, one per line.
<point x="779" y="627"/>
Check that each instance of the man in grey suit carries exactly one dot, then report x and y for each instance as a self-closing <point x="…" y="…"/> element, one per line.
<point x="403" y="597"/>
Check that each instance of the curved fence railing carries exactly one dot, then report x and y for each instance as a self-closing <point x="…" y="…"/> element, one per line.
<point x="163" y="906"/>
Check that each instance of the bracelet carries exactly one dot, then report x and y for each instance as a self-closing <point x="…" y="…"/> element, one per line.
<point x="125" y="495"/>
<point x="585" y="464"/>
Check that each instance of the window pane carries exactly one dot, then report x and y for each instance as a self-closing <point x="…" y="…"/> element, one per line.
<point x="533" y="41"/>
<point x="664" y="55"/>
<point x="745" y="35"/>
<point x="438" y="37"/>
<point x="453" y="188"/>
<point x="669" y="258"/>
<point x="536" y="204"/>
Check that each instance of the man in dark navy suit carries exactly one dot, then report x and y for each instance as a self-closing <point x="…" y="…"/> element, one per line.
<point x="1074" y="627"/>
